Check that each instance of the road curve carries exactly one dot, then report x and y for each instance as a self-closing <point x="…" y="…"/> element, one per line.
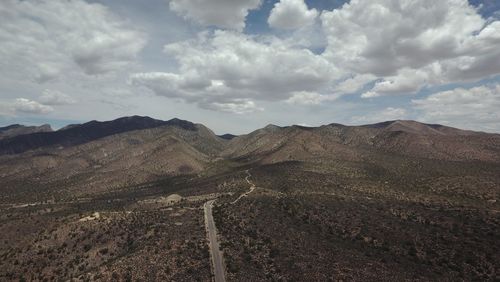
<point x="252" y="187"/>
<point x="215" y="252"/>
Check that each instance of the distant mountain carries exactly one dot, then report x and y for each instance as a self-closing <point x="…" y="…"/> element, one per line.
<point x="82" y="133"/>
<point x="227" y="136"/>
<point x="17" y="129"/>
<point x="100" y="155"/>
<point x="410" y="126"/>
<point x="353" y="143"/>
<point x="275" y="144"/>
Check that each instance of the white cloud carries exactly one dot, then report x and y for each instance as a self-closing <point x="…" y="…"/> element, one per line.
<point x="238" y="106"/>
<point x="353" y="84"/>
<point x="309" y="98"/>
<point x="226" y="67"/>
<point x="54" y="97"/>
<point x="43" y="40"/>
<point x="228" y="14"/>
<point x="291" y="14"/>
<point x="29" y="106"/>
<point x="406" y="81"/>
<point x="386" y="114"/>
<point x="475" y="108"/>
<point x="408" y="44"/>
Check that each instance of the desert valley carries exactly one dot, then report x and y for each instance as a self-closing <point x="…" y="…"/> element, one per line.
<point x="127" y="200"/>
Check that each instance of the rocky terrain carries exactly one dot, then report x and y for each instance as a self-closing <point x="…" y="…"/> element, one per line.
<point x="123" y="200"/>
<point x="17" y="129"/>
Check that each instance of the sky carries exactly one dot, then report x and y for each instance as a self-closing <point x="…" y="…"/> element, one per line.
<point x="238" y="65"/>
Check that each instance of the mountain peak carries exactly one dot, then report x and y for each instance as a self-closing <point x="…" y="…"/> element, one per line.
<point x="184" y="124"/>
<point x="408" y="126"/>
<point x="228" y="136"/>
<point x="271" y="127"/>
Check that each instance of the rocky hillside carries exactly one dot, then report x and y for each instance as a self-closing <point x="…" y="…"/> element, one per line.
<point x="138" y="149"/>
<point x="103" y="162"/>
<point x="82" y="133"/>
<point x="17" y="129"/>
<point x="407" y="138"/>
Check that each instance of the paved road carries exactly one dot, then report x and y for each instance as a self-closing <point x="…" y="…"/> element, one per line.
<point x="215" y="252"/>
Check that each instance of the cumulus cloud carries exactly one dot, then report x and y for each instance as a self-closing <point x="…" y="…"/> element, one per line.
<point x="309" y="98"/>
<point x="54" y="97"/>
<point x="291" y="14"/>
<point x="238" y="106"/>
<point x="229" y="14"/>
<point x="232" y="68"/>
<point x="31" y="107"/>
<point x="474" y="108"/>
<point x="406" y="81"/>
<point x="409" y="44"/>
<point x="354" y="83"/>
<point x="43" y="40"/>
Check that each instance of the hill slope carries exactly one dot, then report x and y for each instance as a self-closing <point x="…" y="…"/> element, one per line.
<point x="79" y="134"/>
<point x="408" y="138"/>
<point x="17" y="129"/>
<point x="126" y="158"/>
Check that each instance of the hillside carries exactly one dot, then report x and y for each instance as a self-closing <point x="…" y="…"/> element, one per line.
<point x="89" y="162"/>
<point x="17" y="129"/>
<point x="81" y="133"/>
<point x="336" y="141"/>
<point x="127" y="200"/>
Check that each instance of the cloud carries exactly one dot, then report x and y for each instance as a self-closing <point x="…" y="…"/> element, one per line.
<point x="353" y="83"/>
<point x="31" y="107"/>
<point x="43" y="40"/>
<point x="309" y="98"/>
<point x="475" y="108"/>
<point x="238" y="106"/>
<point x="54" y="97"/>
<point x="227" y="68"/>
<point x="409" y="44"/>
<point x="229" y="14"/>
<point x="406" y="81"/>
<point x="386" y="114"/>
<point x="291" y="14"/>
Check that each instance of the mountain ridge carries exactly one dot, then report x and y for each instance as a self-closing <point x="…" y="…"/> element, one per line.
<point x="274" y="143"/>
<point x="81" y="133"/>
<point x="18" y="129"/>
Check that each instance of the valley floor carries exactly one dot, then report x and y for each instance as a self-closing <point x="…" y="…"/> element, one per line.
<point x="290" y="221"/>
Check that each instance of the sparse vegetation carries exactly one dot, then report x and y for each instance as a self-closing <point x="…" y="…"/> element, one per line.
<point x="328" y="206"/>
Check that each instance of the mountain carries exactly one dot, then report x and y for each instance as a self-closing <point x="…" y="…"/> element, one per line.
<point x="79" y="134"/>
<point x="114" y="200"/>
<point x="227" y="136"/>
<point x="275" y="144"/>
<point x="335" y="141"/>
<point x="410" y="126"/>
<point x="17" y="129"/>
<point x="101" y="155"/>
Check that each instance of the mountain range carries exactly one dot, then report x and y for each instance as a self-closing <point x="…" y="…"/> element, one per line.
<point x="271" y="143"/>
<point x="128" y="150"/>
<point x="127" y="200"/>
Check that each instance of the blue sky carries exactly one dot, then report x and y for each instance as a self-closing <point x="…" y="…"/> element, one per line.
<point x="236" y="66"/>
